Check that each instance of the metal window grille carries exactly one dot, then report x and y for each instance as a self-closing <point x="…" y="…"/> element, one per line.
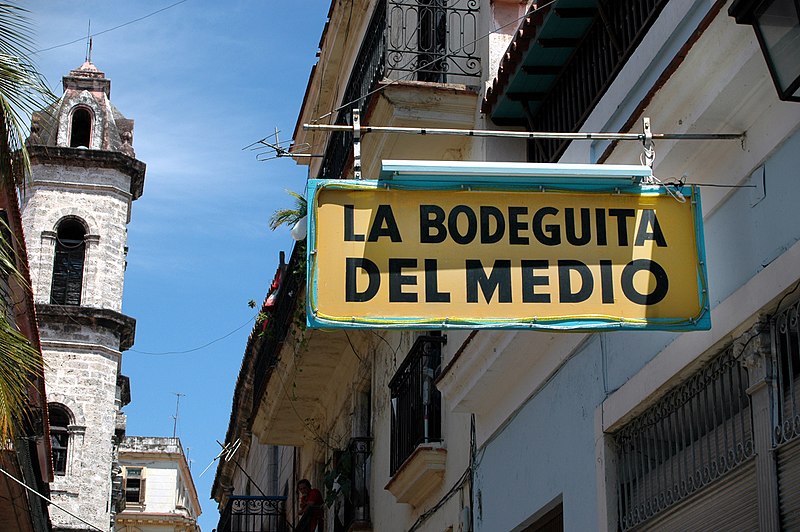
<point x="786" y="348"/>
<point x="699" y="431"/>
<point x="254" y="514"/>
<point x="416" y="403"/>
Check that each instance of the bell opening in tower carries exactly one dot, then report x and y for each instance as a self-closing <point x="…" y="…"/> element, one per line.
<point x="81" y="127"/>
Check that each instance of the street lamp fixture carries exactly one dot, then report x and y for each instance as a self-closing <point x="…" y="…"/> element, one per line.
<point x="777" y="26"/>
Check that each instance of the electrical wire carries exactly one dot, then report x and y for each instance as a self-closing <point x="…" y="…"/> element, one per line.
<point x="111" y="29"/>
<point x="158" y="353"/>
<point x="85" y="522"/>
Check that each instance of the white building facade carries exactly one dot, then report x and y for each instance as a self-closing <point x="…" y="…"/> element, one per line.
<point x="159" y="493"/>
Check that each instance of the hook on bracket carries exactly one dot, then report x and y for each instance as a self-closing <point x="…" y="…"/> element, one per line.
<point x="649" y="153"/>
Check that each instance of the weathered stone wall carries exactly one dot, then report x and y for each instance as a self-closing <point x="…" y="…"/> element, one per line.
<point x="100" y="197"/>
<point x="84" y="381"/>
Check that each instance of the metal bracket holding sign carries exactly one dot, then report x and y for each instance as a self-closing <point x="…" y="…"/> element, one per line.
<point x="437" y="245"/>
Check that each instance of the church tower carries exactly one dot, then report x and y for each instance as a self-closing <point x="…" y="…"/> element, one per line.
<point x="76" y="208"/>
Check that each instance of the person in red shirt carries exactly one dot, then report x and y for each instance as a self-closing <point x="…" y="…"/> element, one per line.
<point x="310" y="511"/>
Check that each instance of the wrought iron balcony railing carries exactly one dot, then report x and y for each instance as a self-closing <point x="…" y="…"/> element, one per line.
<point x="416" y="403"/>
<point x="417" y="40"/>
<point x="254" y="514"/>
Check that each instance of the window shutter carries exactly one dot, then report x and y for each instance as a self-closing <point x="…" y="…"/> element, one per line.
<point x="141" y="490"/>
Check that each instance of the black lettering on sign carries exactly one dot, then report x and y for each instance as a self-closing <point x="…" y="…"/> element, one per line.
<point x="472" y="225"/>
<point x="397" y="281"/>
<point x="649" y="220"/>
<point x="549" y="235"/>
<point x="428" y="223"/>
<point x="658" y="273"/>
<point x="607" y="281"/>
<point x="432" y="294"/>
<point x="531" y="281"/>
<point x="622" y="216"/>
<point x="349" y="230"/>
<point x="384" y="216"/>
<point x="586" y="229"/>
<point x="565" y="293"/>
<point x="352" y="264"/>
<point x="600" y="218"/>
<point x="498" y="280"/>
<point x="515" y="225"/>
<point x="488" y="212"/>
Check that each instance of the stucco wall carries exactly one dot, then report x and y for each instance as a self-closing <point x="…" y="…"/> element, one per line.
<point x="547" y="447"/>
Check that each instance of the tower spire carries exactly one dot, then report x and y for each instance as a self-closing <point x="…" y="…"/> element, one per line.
<point x="89" y="43"/>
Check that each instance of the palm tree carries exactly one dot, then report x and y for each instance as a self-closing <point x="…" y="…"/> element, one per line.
<point x="289" y="216"/>
<point x="22" y="91"/>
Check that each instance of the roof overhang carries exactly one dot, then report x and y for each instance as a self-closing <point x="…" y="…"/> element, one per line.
<point x="540" y="49"/>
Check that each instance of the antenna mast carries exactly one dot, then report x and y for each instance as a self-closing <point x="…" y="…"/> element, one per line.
<point x="175" y="417"/>
<point x="89" y="42"/>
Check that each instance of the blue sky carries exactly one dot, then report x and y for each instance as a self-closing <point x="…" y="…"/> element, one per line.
<point x="202" y="80"/>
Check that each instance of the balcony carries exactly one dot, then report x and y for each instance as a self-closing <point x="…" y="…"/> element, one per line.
<point x="430" y="41"/>
<point x="254" y="514"/>
<point x="416" y="403"/>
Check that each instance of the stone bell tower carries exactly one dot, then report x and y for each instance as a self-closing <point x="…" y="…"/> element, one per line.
<point x="76" y="208"/>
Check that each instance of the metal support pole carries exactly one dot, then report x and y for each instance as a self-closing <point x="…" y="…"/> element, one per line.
<point x="523" y="134"/>
<point x="356" y="143"/>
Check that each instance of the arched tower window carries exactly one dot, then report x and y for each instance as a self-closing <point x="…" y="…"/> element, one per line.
<point x="68" y="264"/>
<point x="81" y="128"/>
<point x="59" y="437"/>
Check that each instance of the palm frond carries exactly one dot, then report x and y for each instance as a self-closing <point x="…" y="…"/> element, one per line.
<point x="20" y="364"/>
<point x="289" y="216"/>
<point x="22" y="91"/>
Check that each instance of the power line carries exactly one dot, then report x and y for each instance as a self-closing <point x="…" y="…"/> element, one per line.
<point x="9" y="475"/>
<point x="111" y="29"/>
<point x="196" y="348"/>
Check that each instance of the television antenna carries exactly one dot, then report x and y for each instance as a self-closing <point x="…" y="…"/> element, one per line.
<point x="268" y="149"/>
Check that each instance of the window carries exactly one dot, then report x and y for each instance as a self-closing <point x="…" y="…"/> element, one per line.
<point x="59" y="438"/>
<point x="133" y="485"/>
<point x="699" y="431"/>
<point x="551" y="521"/>
<point x="80" y="132"/>
<point x="68" y="264"/>
<point x="416" y="403"/>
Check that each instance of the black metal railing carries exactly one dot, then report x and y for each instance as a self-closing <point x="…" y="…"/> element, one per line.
<point x="433" y="40"/>
<point x="279" y="319"/>
<point x="416" y="403"/>
<point x="785" y="329"/>
<point x="606" y="48"/>
<point x="417" y="40"/>
<point x="699" y="431"/>
<point x="254" y="514"/>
